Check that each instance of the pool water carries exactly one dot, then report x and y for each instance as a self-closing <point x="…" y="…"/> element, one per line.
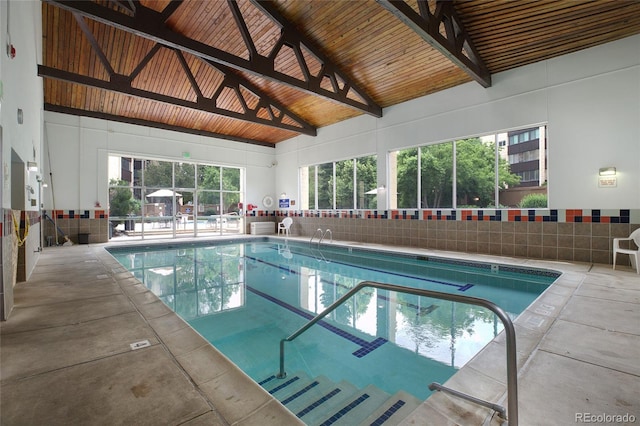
<point x="245" y="296"/>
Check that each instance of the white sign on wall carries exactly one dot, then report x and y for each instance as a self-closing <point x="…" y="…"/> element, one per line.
<point x="607" y="181"/>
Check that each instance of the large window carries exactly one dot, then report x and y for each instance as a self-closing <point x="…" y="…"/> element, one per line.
<point x="152" y="197"/>
<point x="347" y="184"/>
<point x="478" y="172"/>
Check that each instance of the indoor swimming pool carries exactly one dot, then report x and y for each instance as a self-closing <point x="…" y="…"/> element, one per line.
<point x="245" y="295"/>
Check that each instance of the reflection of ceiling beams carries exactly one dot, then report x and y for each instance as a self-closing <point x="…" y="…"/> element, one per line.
<point x="326" y="80"/>
<point x="441" y="28"/>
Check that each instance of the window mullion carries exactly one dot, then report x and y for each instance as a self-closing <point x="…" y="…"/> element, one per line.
<point x="454" y="168"/>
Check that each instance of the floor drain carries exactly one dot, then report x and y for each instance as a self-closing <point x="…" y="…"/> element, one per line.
<point x="139" y="345"/>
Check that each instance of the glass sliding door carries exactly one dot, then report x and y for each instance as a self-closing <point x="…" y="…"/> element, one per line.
<point x="232" y="221"/>
<point x="160" y="199"/>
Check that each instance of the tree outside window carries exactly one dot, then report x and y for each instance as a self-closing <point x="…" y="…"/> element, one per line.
<point x="482" y="173"/>
<point x="352" y="183"/>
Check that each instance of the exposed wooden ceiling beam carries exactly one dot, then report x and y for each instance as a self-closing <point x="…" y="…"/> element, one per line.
<point x="122" y="84"/>
<point x="443" y="30"/>
<point x="329" y="83"/>
<point x="340" y="82"/>
<point x="264" y="110"/>
<point x="149" y="123"/>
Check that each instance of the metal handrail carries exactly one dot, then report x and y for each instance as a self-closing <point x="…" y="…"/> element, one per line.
<point x="324" y="234"/>
<point x="314" y="234"/>
<point x="512" y="370"/>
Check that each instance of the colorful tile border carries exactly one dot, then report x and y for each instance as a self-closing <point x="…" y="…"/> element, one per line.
<point x="77" y="214"/>
<point x="631" y="216"/>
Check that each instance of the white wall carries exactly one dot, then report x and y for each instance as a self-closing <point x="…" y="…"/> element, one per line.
<point x="21" y="88"/>
<point x="79" y="148"/>
<point x="590" y="101"/>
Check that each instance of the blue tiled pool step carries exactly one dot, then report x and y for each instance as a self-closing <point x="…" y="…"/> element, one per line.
<point x="319" y="401"/>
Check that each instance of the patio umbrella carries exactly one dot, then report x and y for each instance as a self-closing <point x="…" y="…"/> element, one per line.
<point x="164" y="193"/>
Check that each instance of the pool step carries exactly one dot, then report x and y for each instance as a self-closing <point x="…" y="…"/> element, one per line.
<point x="320" y="401"/>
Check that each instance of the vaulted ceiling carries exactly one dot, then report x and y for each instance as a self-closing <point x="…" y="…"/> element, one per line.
<point x="264" y="72"/>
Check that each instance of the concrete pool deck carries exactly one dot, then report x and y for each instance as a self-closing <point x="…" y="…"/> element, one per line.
<point x="66" y="354"/>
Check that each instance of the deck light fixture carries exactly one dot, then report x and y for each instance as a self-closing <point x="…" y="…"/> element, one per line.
<point x="607" y="171"/>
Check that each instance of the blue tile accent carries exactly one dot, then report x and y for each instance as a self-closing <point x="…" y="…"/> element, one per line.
<point x="455" y="262"/>
<point x="284" y="385"/>
<point x="387" y="414"/>
<point x="366" y="347"/>
<point x="345" y="410"/>
<point x="267" y="380"/>
<point x="465" y="287"/>
<point x="317" y="403"/>
<point x="300" y="392"/>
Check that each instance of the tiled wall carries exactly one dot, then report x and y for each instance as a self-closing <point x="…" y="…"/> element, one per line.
<point x="15" y="250"/>
<point x="8" y="275"/>
<point x="74" y="222"/>
<point x="573" y="235"/>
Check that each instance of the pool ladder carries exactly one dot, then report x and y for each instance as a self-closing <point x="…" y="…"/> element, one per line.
<point x="509" y="330"/>
<point x="322" y="235"/>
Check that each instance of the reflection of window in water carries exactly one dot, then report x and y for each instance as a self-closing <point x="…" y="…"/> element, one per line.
<point x="195" y="283"/>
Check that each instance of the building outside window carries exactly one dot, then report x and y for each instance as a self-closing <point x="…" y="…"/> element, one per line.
<point x="490" y="171"/>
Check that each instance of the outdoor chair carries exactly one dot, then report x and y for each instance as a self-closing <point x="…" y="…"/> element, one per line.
<point x="634" y="254"/>
<point x="285" y="225"/>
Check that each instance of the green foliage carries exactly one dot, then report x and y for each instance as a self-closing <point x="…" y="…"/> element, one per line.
<point x="211" y="178"/>
<point x="121" y="201"/>
<point x="366" y="172"/>
<point x="407" y="178"/>
<point x="325" y="186"/>
<point x="157" y="174"/>
<point x="475" y="175"/>
<point x="532" y="201"/>
<point x="344" y="184"/>
<point x="437" y="176"/>
<point x="366" y="180"/>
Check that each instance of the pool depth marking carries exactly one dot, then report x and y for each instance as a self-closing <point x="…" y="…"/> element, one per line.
<point x="365" y="347"/>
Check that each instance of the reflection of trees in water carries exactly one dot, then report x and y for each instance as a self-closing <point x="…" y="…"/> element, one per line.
<point x="336" y="286"/>
<point x="429" y="321"/>
<point x="204" y="280"/>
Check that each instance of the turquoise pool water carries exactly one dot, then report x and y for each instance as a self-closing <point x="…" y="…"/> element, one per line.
<point x="244" y="296"/>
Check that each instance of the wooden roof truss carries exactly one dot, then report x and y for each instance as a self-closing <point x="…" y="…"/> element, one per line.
<point x="439" y="25"/>
<point x="315" y="73"/>
<point x="252" y="104"/>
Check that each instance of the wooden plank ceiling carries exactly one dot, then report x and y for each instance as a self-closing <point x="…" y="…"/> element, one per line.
<point x="265" y="72"/>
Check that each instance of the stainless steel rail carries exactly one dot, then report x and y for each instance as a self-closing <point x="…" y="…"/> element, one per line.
<point x="499" y="408"/>
<point x="512" y="370"/>
<point x="314" y="235"/>
<point x="324" y="234"/>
